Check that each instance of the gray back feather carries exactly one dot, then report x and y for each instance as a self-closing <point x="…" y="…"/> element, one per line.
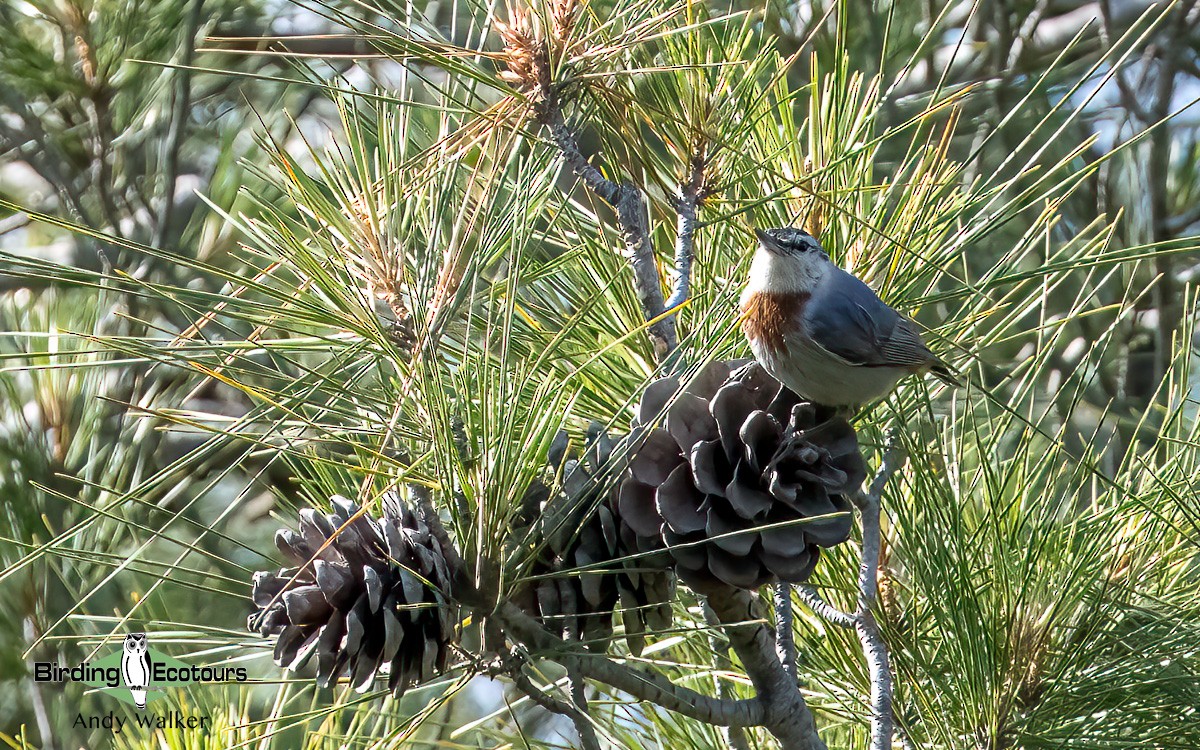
<point x="847" y="319"/>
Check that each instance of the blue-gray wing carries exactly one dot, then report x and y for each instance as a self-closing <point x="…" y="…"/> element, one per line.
<point x="847" y="319"/>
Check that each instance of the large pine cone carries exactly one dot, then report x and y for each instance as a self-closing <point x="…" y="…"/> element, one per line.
<point x="583" y="568"/>
<point x="744" y="482"/>
<point x="374" y="599"/>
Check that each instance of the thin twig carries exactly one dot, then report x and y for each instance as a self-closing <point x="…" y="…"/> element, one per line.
<point x="575" y="681"/>
<point x="581" y="718"/>
<point x="45" y="156"/>
<point x="646" y="686"/>
<point x="880" y="671"/>
<point x="574" y="711"/>
<point x="529" y="689"/>
<point x="630" y="206"/>
<point x="1158" y="168"/>
<point x="875" y="651"/>
<point x="824" y="609"/>
<point x="14" y="222"/>
<point x="874" y="648"/>
<point x="690" y="197"/>
<point x="41" y="715"/>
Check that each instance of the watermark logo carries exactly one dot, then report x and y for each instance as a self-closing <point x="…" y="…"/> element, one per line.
<point x="138" y="675"/>
<point x="135" y="667"/>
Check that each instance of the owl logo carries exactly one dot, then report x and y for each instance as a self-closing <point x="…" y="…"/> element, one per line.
<point x="135" y="667"/>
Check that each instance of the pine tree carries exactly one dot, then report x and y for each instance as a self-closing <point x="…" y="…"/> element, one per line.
<point x="502" y="288"/>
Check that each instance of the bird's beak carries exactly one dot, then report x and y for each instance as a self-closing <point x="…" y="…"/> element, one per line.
<point x="769" y="243"/>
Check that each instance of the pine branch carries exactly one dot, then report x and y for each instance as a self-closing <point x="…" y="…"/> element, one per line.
<point x="520" y="627"/>
<point x="27" y="137"/>
<point x="691" y="195"/>
<point x="645" y="686"/>
<point x="581" y="718"/>
<point x="874" y="648"/>
<point x="630" y="205"/>
<point x="785" y="639"/>
<point x="809" y="596"/>
<point x="181" y="103"/>
<point x="863" y="621"/>
<point x="736" y="736"/>
<point x="14" y="222"/>
<point x="575" y="681"/>
<point x="574" y="711"/>
<point x="786" y="714"/>
<point x="525" y="684"/>
<point x="880" y="671"/>
<point x="37" y="698"/>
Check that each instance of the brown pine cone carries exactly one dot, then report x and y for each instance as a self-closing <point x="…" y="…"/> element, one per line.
<point x="743" y="482"/>
<point x="580" y="564"/>
<point x="374" y="599"/>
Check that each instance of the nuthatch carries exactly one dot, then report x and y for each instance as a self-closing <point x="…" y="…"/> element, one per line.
<point x="822" y="332"/>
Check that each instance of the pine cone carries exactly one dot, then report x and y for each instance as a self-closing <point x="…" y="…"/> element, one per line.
<point x="744" y="482"/>
<point x="576" y="528"/>
<point x="373" y="600"/>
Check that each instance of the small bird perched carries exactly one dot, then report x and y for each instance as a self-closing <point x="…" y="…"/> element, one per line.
<point x="822" y="332"/>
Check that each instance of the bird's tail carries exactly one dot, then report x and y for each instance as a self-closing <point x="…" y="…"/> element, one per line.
<point x="945" y="373"/>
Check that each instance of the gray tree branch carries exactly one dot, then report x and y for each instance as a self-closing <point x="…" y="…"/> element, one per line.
<point x="630" y="205"/>
<point x="41" y="714"/>
<point x="809" y="596"/>
<point x="785" y="639"/>
<point x="522" y="628"/>
<point x="581" y="718"/>
<point x="687" y="204"/>
<point x="735" y="736"/>
<point x="41" y="152"/>
<point x="575" y="681"/>
<point x="646" y="686"/>
<point x="14" y="222"/>
<point x="863" y="620"/>
<point x="874" y="648"/>
<point x="538" y="695"/>
<point x="573" y="710"/>
<point x="786" y="714"/>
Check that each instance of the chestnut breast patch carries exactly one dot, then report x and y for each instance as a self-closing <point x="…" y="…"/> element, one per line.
<point x="768" y="317"/>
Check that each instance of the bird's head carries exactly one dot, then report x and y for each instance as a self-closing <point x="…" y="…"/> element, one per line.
<point x="787" y="242"/>
<point x="787" y="260"/>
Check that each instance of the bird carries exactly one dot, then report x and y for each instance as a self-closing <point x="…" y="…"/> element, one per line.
<point x="821" y="331"/>
<point x="135" y="667"/>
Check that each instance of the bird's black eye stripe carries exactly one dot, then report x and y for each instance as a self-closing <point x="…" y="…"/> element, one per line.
<point x="796" y="240"/>
<point x="788" y="240"/>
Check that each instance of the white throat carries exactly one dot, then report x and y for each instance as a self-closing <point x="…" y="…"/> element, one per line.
<point x="777" y="274"/>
